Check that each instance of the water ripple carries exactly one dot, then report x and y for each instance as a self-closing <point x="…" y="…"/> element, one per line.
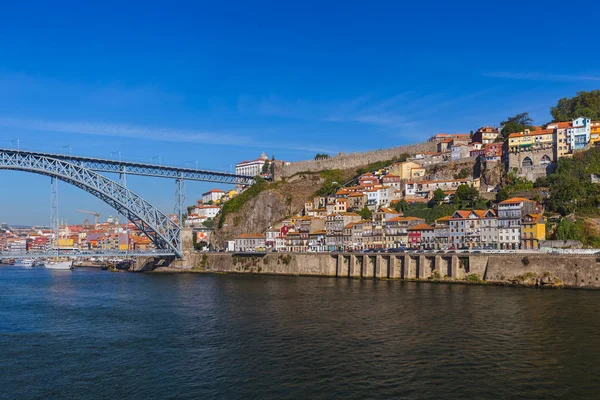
<point x="95" y="334"/>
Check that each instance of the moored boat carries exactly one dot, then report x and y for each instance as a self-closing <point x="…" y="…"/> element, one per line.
<point x="60" y="265"/>
<point x="24" y="262"/>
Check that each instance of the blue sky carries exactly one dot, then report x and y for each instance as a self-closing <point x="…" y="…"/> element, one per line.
<point x="220" y="82"/>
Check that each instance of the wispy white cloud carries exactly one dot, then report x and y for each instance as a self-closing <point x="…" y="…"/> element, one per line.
<point x="124" y="131"/>
<point x="365" y="109"/>
<point x="72" y="93"/>
<point x="538" y="76"/>
<point x="152" y="133"/>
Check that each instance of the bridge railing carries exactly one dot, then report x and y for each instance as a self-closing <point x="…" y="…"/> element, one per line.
<point x="145" y="169"/>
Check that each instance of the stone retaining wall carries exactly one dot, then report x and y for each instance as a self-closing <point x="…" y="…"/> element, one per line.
<point x="572" y="270"/>
<point x="348" y="161"/>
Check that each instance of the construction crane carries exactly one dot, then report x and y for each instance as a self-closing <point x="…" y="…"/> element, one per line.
<point x="95" y="214"/>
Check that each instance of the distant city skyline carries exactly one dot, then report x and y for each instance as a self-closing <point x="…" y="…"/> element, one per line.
<point x="216" y="84"/>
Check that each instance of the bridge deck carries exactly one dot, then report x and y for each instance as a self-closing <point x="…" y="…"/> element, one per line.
<point x="145" y="169"/>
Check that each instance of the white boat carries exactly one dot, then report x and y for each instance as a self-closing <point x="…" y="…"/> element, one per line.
<point x="62" y="265"/>
<point x="24" y="262"/>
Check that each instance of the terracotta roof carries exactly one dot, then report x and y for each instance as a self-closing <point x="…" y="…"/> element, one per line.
<point x="464" y="214"/>
<point x="397" y="219"/>
<point x="214" y="191"/>
<point x="531" y="133"/>
<point x="421" y="227"/>
<point x="417" y="200"/>
<point x="535" y="217"/>
<point x="516" y="200"/>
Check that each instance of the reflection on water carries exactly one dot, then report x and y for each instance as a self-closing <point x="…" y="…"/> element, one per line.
<point x="114" y="335"/>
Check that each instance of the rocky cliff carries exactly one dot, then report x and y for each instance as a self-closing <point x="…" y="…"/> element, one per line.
<point x="272" y="203"/>
<point x="491" y="173"/>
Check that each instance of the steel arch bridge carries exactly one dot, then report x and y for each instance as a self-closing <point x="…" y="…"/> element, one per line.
<point x="143" y="169"/>
<point x="160" y="229"/>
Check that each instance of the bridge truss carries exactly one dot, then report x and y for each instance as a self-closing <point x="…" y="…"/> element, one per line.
<point x="164" y="233"/>
<point x="144" y="169"/>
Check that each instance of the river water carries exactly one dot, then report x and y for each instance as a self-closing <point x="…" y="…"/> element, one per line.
<point x="97" y="334"/>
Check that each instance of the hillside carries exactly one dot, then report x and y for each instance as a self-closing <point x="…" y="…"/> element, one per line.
<point x="266" y="204"/>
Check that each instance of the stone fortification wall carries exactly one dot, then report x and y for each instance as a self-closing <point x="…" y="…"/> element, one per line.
<point x="351" y="160"/>
<point x="582" y="271"/>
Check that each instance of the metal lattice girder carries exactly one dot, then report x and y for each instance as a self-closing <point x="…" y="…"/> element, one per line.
<point x="160" y="229"/>
<point x="132" y="168"/>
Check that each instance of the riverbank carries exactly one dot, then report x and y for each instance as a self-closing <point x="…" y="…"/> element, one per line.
<point x="542" y="270"/>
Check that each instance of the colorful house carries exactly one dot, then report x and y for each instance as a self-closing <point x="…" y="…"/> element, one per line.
<point x="533" y="230"/>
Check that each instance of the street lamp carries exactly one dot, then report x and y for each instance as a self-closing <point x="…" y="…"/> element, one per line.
<point x="159" y="159"/>
<point x="69" y="147"/>
<point x="18" y="143"/>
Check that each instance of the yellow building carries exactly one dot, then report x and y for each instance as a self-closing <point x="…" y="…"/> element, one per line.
<point x="405" y="170"/>
<point x="595" y="135"/>
<point x="417" y="173"/>
<point x="531" y="140"/>
<point x="65" y="243"/>
<point x="533" y="231"/>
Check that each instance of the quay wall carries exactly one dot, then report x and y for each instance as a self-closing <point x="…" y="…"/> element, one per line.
<point x="348" y="161"/>
<point x="581" y="271"/>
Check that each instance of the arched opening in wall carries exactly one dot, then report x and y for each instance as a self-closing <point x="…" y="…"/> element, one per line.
<point x="545" y="160"/>
<point x="527" y="162"/>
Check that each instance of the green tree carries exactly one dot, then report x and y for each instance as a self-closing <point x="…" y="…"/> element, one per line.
<point x="502" y="194"/>
<point x="365" y="213"/>
<point x="585" y="104"/>
<point x="567" y="230"/>
<point x="321" y="156"/>
<point x="467" y="195"/>
<point x="401" y="206"/>
<point x="518" y="123"/>
<point x="265" y="167"/>
<point x="439" y="195"/>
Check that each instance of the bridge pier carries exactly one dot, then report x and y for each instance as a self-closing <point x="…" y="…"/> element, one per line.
<point x="144" y="264"/>
<point x="394" y="272"/>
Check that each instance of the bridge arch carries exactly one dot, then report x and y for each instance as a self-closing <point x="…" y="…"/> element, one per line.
<point x="527" y="162"/>
<point x="160" y="229"/>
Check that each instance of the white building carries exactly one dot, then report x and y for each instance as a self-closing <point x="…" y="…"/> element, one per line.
<point x="250" y="243"/>
<point x="489" y="230"/>
<point x="212" y="195"/>
<point x="580" y="133"/>
<point x="206" y="211"/>
<point x="252" y="167"/>
<point x="194" y="220"/>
